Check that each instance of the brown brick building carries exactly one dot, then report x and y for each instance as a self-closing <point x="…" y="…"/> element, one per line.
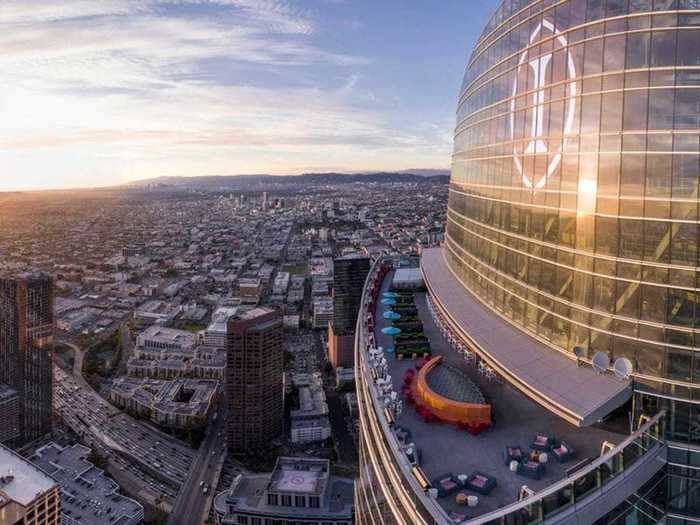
<point x="26" y="349"/>
<point x="254" y="380"/>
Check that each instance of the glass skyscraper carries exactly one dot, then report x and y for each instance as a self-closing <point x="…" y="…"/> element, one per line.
<point x="573" y="207"/>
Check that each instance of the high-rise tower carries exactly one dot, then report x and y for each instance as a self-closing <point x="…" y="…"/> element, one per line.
<point x="26" y="349"/>
<point x="254" y="385"/>
<point x="568" y="272"/>
<point x="349" y="274"/>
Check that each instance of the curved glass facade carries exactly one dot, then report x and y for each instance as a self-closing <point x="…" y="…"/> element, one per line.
<point x="573" y="206"/>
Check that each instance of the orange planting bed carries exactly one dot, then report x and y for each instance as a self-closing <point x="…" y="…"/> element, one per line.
<point x="463" y="414"/>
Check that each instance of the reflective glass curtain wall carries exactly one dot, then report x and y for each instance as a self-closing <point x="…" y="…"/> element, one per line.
<point x="573" y="205"/>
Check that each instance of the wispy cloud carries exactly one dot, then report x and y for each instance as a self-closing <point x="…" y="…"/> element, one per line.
<point x="141" y="82"/>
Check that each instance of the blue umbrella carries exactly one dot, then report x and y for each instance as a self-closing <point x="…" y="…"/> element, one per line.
<point x="390" y="294"/>
<point x="391" y="315"/>
<point x="388" y="301"/>
<point x="391" y="330"/>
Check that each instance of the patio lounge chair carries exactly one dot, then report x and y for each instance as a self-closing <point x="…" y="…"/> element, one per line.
<point x="480" y="483"/>
<point x="446" y="485"/>
<point x="564" y="452"/>
<point x="512" y="453"/>
<point x="531" y="469"/>
<point x="542" y="442"/>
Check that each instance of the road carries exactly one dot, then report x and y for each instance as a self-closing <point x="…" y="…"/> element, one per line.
<point x="157" y="463"/>
<point x="192" y="505"/>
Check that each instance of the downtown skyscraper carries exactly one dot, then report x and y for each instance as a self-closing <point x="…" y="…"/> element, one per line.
<point x="26" y="349"/>
<point x="349" y="274"/>
<point x="254" y="382"/>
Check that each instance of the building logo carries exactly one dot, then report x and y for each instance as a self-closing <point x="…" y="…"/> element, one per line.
<point x="532" y="75"/>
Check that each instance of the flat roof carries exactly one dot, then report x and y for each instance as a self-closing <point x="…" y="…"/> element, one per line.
<point x="444" y="448"/>
<point x="23" y="481"/>
<point x="578" y="394"/>
<point x="87" y="495"/>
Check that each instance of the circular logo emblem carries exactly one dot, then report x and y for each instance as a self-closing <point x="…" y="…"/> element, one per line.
<point x="537" y="70"/>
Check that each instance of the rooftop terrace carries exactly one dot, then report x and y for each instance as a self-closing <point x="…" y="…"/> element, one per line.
<point x="577" y="394"/>
<point x="516" y="419"/>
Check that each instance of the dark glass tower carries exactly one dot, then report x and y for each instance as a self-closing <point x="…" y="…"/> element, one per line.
<point x="26" y="349"/>
<point x="349" y="274"/>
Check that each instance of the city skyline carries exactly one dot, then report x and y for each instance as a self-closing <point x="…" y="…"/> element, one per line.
<point x="109" y="92"/>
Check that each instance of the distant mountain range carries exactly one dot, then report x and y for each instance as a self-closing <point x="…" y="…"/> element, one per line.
<point x="257" y="182"/>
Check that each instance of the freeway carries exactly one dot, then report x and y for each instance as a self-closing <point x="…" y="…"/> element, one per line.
<point x="192" y="504"/>
<point x="159" y="462"/>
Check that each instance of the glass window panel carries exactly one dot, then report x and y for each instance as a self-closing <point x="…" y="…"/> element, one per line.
<point x="637" y="55"/>
<point x="663" y="48"/>
<point x="595" y="10"/>
<point x="654" y="303"/>
<point x="631" y="237"/>
<point x="659" y="175"/>
<point x="590" y="114"/>
<point x="606" y="235"/>
<point x="684" y="248"/>
<point x="687" y="114"/>
<point x="665" y="5"/>
<point x="661" y="108"/>
<point x="688" y="47"/>
<point x="678" y="364"/>
<point x="656" y="241"/>
<point x="640" y="6"/>
<point x="632" y="179"/>
<point x="616" y="7"/>
<point x="611" y="119"/>
<point x="650" y="359"/>
<point x="614" y="59"/>
<point x="593" y="63"/>
<point x="608" y="174"/>
<point x="635" y="112"/>
<point x="681" y="307"/>
<point x="604" y="294"/>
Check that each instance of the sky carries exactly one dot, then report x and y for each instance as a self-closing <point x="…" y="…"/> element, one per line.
<point x="102" y="92"/>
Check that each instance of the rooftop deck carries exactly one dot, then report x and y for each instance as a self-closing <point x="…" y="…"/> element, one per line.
<point x="444" y="448"/>
<point x="577" y="394"/>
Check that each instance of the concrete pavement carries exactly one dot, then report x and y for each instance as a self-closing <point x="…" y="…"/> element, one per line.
<point x="192" y="505"/>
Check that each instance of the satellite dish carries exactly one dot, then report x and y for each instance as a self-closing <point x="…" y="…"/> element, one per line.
<point x="580" y="353"/>
<point x="601" y="362"/>
<point x="623" y="368"/>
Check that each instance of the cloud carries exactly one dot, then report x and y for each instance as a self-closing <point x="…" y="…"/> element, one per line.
<point x="140" y="83"/>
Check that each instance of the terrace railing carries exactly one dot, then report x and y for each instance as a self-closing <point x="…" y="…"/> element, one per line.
<point x="644" y="447"/>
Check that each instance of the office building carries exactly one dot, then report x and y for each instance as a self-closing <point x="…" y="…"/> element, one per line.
<point x="309" y="422"/>
<point x="26" y="349"/>
<point x="349" y="274"/>
<point x="323" y="313"/>
<point x="254" y="380"/>
<point x="28" y="496"/>
<point x="299" y="490"/>
<point x="88" y="497"/>
<point x="215" y="333"/>
<point x="9" y="415"/>
<point x="568" y="271"/>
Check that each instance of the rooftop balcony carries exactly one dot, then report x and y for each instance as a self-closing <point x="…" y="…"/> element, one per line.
<point x="608" y="464"/>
